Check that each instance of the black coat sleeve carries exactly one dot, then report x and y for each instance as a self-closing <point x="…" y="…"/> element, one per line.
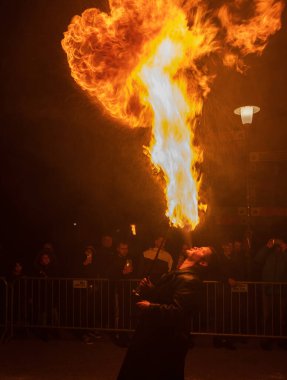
<point x="176" y="300"/>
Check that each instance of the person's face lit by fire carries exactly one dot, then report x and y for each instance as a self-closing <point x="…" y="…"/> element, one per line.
<point x="279" y="245"/>
<point x="198" y="254"/>
<point x="18" y="269"/>
<point x="45" y="259"/>
<point x="122" y="249"/>
<point x="89" y="253"/>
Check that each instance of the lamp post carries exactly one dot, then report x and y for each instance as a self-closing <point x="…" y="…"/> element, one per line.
<point x="246" y="113"/>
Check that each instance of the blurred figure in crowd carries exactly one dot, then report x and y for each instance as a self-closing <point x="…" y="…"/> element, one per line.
<point x="271" y="262"/>
<point x="243" y="260"/>
<point x="87" y="315"/>
<point x="121" y="264"/>
<point x="88" y="266"/>
<point x="45" y="266"/>
<point x="121" y="268"/>
<point x="19" y="296"/>
<point x="104" y="256"/>
<point x="225" y="271"/>
<point x="46" y="263"/>
<point x="3" y="263"/>
<point x="44" y="296"/>
<point x="15" y="271"/>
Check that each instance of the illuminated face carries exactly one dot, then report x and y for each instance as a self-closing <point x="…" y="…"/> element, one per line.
<point x="198" y="253"/>
<point x="280" y="247"/>
<point x="89" y="252"/>
<point x="18" y="268"/>
<point x="122" y="249"/>
<point x="45" y="259"/>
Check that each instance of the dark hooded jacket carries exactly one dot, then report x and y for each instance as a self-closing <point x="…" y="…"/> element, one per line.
<point x="160" y="342"/>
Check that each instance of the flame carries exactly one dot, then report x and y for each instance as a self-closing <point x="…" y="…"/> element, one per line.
<point x="147" y="64"/>
<point x="249" y="35"/>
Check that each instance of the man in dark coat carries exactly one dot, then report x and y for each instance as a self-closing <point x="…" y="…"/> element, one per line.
<point x="160" y="342"/>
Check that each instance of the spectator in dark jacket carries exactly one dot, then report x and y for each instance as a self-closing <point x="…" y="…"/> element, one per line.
<point x="225" y="271"/>
<point x="121" y="268"/>
<point x="121" y="265"/>
<point x="271" y="262"/>
<point x="104" y="256"/>
<point x="44" y="299"/>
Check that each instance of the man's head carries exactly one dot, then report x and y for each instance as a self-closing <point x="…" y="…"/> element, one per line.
<point x="227" y="248"/>
<point x="279" y="245"/>
<point x="122" y="249"/>
<point x="107" y="241"/>
<point x="198" y="254"/>
<point x="45" y="259"/>
<point x="89" y="251"/>
<point x="18" y="268"/>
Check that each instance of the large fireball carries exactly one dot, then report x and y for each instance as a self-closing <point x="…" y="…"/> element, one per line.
<point x="146" y="64"/>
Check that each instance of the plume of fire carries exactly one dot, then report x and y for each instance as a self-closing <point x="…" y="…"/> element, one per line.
<point x="249" y="35"/>
<point x="145" y="64"/>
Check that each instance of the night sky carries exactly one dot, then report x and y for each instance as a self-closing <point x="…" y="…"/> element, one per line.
<point x="64" y="162"/>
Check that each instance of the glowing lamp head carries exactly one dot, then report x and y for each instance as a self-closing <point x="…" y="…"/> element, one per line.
<point x="133" y="229"/>
<point x="246" y="113"/>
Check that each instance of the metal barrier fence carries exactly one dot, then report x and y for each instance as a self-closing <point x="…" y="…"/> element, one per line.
<point x="249" y="309"/>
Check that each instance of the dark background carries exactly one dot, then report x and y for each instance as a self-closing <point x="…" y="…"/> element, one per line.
<point x="68" y="173"/>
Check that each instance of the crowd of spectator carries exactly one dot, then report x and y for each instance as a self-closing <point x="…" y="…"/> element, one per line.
<point x="111" y="260"/>
<point x="234" y="261"/>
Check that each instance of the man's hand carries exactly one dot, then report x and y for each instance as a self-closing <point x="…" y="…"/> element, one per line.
<point x="276" y="242"/>
<point x="143" y="305"/>
<point x="270" y="243"/>
<point x="127" y="269"/>
<point x="145" y="283"/>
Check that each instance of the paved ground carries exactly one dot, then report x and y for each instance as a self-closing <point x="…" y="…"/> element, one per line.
<point x="71" y="359"/>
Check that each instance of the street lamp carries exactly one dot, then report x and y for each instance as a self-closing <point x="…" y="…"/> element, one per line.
<point x="246" y="113"/>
